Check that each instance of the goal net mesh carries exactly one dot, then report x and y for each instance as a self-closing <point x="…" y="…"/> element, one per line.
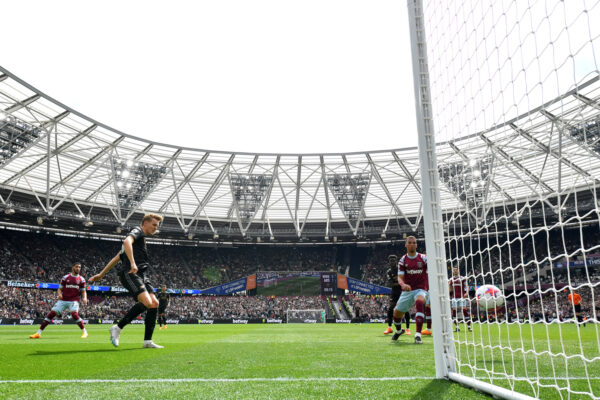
<point x="315" y="316"/>
<point x="515" y="96"/>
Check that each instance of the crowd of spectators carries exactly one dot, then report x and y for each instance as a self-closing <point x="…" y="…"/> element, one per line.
<point x="522" y="261"/>
<point x="511" y="261"/>
<point x="36" y="257"/>
<point x="36" y="303"/>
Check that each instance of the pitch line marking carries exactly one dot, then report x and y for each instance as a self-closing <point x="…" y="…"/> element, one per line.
<point x="218" y="380"/>
<point x="278" y="379"/>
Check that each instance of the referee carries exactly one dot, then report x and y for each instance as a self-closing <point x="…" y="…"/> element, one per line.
<point x="163" y="302"/>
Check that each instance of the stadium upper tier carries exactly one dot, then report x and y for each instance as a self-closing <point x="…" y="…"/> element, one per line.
<point x="57" y="163"/>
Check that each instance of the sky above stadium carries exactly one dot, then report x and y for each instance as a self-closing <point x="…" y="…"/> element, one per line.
<point x="260" y="76"/>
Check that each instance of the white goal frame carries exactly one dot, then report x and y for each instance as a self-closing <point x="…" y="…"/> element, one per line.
<point x="444" y="351"/>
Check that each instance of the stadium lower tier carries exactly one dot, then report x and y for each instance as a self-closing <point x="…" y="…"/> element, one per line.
<point x="43" y="257"/>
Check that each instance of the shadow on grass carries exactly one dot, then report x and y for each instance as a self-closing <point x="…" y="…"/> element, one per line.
<point x="436" y="389"/>
<point x="54" y="353"/>
<point x="401" y="343"/>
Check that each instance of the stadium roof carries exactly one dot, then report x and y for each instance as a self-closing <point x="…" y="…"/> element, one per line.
<point x="65" y="159"/>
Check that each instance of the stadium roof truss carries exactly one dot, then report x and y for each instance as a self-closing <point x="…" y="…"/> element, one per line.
<point x="59" y="156"/>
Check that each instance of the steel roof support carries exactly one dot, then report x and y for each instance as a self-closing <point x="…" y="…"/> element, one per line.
<point x="21" y="104"/>
<point x="186" y="181"/>
<point x="212" y="190"/>
<point x="268" y="196"/>
<point x="386" y="191"/>
<point x="59" y="150"/>
<point x="549" y="151"/>
<point x="88" y="163"/>
<point x="298" y="186"/>
<point x="516" y="163"/>
<point x="327" y="203"/>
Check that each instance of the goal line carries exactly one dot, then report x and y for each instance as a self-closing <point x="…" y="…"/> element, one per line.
<point x="274" y="379"/>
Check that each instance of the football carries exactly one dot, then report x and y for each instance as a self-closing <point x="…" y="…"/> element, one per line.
<point x="489" y="297"/>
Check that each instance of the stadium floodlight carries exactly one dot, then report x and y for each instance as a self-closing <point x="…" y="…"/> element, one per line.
<point x="40" y="220"/>
<point x="133" y="182"/>
<point x="248" y="192"/>
<point x="9" y="210"/>
<point x="16" y="136"/>
<point x="468" y="181"/>
<point x="350" y="192"/>
<point x="508" y="113"/>
<point x="87" y="223"/>
<point x="587" y="132"/>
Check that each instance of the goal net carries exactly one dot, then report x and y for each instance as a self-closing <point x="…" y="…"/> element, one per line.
<point x="508" y="111"/>
<point x="315" y="316"/>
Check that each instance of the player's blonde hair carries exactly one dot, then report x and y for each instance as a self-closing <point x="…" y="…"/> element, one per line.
<point x="150" y="217"/>
<point x="410" y="237"/>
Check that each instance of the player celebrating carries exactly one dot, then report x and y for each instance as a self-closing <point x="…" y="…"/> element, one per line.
<point x="71" y="286"/>
<point x="412" y="277"/>
<point x="163" y="302"/>
<point x="135" y="263"/>
<point x="459" y="291"/>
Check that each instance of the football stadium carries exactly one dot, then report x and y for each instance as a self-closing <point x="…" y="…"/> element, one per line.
<point x="465" y="267"/>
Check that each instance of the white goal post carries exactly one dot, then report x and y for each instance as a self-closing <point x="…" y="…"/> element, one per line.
<point x="510" y="181"/>
<point x="307" y="316"/>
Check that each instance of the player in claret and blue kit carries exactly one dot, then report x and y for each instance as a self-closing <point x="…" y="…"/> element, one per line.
<point x="413" y="279"/>
<point x="71" y="287"/>
<point x="459" y="289"/>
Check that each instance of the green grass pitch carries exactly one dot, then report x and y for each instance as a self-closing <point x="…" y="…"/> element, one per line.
<point x="265" y="361"/>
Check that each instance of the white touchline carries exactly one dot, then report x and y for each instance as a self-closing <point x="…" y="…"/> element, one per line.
<point x="277" y="379"/>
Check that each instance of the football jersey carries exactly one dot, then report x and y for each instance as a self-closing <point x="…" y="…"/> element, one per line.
<point x="414" y="271"/>
<point x="163" y="299"/>
<point x="459" y="287"/>
<point x="72" y="286"/>
<point x="575" y="300"/>
<point x="140" y="252"/>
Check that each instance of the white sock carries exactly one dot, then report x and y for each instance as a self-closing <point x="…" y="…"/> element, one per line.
<point x="418" y="334"/>
<point x="147" y="341"/>
<point x="39" y="331"/>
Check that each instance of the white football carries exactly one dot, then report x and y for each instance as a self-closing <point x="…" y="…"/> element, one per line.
<point x="489" y="297"/>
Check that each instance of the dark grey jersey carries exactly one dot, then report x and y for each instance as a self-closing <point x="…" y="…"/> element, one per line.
<point x="140" y="252"/>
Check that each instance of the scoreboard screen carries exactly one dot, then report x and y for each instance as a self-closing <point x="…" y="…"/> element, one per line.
<point x="328" y="283"/>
